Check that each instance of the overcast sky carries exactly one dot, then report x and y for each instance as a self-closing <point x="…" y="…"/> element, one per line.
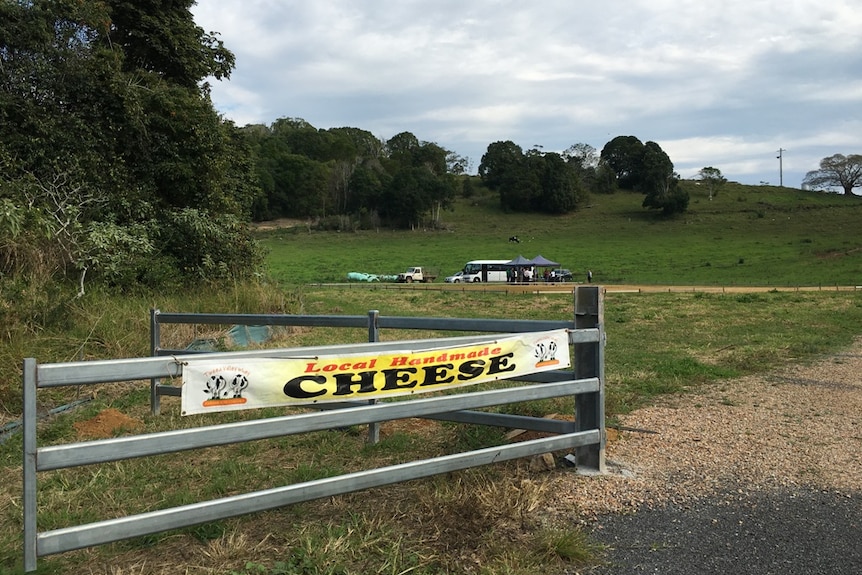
<point x="723" y="84"/>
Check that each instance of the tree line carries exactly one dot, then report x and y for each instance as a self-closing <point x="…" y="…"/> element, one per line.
<point x="558" y="183"/>
<point x="347" y="177"/>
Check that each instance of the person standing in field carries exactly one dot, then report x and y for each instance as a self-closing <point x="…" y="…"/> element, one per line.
<point x="589" y="276"/>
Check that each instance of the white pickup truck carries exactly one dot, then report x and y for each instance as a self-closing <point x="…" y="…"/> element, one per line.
<point x="415" y="274"/>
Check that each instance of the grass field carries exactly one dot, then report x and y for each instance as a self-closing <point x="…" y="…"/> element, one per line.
<point x="658" y="343"/>
<point x="747" y="235"/>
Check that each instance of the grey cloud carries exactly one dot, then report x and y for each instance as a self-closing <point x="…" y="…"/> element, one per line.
<point x="762" y="75"/>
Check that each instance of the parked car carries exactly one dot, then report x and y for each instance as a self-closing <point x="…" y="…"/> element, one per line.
<point x="561" y="275"/>
<point x="461" y="276"/>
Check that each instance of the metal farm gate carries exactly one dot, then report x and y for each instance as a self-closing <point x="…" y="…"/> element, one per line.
<point x="584" y="382"/>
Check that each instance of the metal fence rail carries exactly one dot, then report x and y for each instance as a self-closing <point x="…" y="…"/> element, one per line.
<point x="585" y="435"/>
<point x="373" y="322"/>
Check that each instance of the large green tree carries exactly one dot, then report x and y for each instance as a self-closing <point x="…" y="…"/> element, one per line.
<point x="367" y="185"/>
<point x="584" y="161"/>
<point x="520" y="184"/>
<point x="105" y="120"/>
<point x="366" y="151"/>
<point x="421" y="185"/>
<point x="562" y="189"/>
<point x="837" y="171"/>
<point x="351" y="174"/>
<point x="408" y="197"/>
<point x="161" y="37"/>
<point x="713" y="179"/>
<point x="644" y="168"/>
<point x="498" y="160"/>
<point x="534" y="181"/>
<point x="624" y="155"/>
<point x="659" y="183"/>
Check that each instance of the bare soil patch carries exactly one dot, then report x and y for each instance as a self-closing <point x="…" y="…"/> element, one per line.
<point x="281" y="223"/>
<point x="108" y="423"/>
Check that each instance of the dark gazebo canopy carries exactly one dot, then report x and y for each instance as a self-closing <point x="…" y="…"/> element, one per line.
<point x="519" y="262"/>
<point x="541" y="261"/>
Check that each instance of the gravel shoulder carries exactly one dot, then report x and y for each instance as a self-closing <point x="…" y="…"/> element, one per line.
<point x="753" y="475"/>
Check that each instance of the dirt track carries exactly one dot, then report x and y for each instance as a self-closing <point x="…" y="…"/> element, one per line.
<point x="723" y="289"/>
<point x="541" y="287"/>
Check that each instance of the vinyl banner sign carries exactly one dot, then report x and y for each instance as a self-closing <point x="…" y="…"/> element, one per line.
<point x="225" y="385"/>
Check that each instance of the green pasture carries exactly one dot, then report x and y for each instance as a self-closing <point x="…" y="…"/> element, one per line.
<point x="746" y="235"/>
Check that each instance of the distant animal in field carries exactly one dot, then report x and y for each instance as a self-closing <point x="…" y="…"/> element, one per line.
<point x="514" y="240"/>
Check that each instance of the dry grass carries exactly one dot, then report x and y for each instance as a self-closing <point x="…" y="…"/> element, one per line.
<point x="507" y="518"/>
<point x="466" y="522"/>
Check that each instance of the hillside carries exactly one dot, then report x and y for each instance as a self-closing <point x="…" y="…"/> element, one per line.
<point x="746" y="235"/>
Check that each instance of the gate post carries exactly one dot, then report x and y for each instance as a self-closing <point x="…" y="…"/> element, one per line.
<point x="155" y="344"/>
<point x="590" y="362"/>
<point x="30" y="382"/>
<point x="373" y="337"/>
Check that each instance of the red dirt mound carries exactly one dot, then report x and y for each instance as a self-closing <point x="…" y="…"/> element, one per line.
<point x="106" y="424"/>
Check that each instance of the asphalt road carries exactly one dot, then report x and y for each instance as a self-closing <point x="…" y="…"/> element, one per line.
<point x="796" y="531"/>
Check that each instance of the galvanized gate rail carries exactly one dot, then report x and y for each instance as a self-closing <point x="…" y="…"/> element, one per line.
<point x="585" y="435"/>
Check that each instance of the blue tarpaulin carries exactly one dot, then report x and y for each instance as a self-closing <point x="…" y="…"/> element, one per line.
<point x="237" y="336"/>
